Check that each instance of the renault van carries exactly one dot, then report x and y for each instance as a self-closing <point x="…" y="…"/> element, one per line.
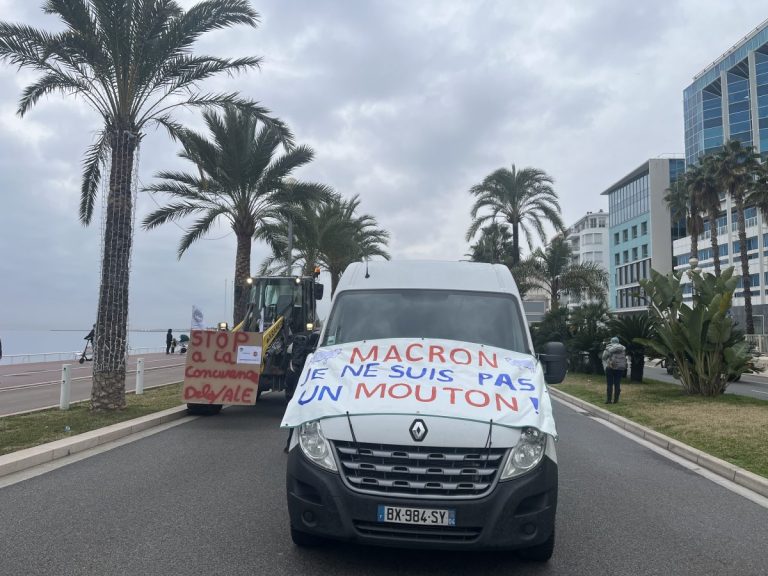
<point x="423" y="419"/>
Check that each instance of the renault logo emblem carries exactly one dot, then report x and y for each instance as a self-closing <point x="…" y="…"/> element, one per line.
<point x="418" y="430"/>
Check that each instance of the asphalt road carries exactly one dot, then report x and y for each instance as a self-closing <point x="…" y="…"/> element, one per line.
<point x="207" y="497"/>
<point x="25" y="387"/>
<point x="749" y="385"/>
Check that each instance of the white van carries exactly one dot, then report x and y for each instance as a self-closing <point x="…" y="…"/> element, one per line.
<point x="423" y="420"/>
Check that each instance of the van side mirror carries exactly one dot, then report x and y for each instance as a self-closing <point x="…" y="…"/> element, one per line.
<point x="555" y="360"/>
<point x="318" y="291"/>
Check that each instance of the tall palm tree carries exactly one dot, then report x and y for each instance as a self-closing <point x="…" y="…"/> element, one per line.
<point x="707" y="192"/>
<point x="239" y="177"/>
<point x="757" y="193"/>
<point x="131" y="61"/>
<point x="735" y="168"/>
<point x="554" y="270"/>
<point x="684" y="205"/>
<point x="524" y="199"/>
<point x="330" y="234"/>
<point x="494" y="245"/>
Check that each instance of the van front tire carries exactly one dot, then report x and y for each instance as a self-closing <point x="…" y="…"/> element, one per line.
<point x="203" y="409"/>
<point x="541" y="552"/>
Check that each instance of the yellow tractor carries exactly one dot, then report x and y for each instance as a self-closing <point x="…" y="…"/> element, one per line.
<point x="284" y="310"/>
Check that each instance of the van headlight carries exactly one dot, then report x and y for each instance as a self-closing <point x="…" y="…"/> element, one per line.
<point x="315" y="446"/>
<point x="526" y="454"/>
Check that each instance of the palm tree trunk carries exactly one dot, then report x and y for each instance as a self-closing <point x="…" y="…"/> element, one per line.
<point x="713" y="239"/>
<point x="637" y="365"/>
<point x="745" y="279"/>
<point x="694" y="242"/>
<point x="515" y="243"/>
<point x="335" y="277"/>
<point x="242" y="272"/>
<point x="109" y="350"/>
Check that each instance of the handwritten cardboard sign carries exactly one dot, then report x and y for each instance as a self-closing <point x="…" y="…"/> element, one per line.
<point x="427" y="377"/>
<point x="222" y="368"/>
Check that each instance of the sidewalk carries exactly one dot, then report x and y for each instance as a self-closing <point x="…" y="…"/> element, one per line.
<point x="28" y="387"/>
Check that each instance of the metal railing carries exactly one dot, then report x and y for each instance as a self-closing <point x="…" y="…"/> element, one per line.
<point x="759" y="341"/>
<point x="748" y="223"/>
<point x="9" y="359"/>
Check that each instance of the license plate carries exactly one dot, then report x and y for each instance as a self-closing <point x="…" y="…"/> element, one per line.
<point x="423" y="516"/>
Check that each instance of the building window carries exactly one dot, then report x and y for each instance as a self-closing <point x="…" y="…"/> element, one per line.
<point x="601" y="223"/>
<point x="752" y="244"/>
<point x="634" y="253"/>
<point x="617" y="259"/>
<point x="634" y="232"/>
<point x="626" y="255"/>
<point x="616" y="238"/>
<point x="625" y="235"/>
<point x="645" y="251"/>
<point x="643" y="228"/>
<point x="593" y="222"/>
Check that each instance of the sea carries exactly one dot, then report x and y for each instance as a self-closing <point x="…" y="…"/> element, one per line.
<point x="30" y="345"/>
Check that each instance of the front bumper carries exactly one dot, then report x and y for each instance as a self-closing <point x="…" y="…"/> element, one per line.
<point x="518" y="513"/>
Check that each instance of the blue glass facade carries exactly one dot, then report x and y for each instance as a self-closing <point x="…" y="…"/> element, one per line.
<point x="633" y="208"/>
<point x="708" y="104"/>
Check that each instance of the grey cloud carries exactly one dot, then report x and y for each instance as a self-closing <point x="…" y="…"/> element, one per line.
<point x="406" y="103"/>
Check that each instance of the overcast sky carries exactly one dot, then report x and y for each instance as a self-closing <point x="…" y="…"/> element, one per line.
<point x="406" y="103"/>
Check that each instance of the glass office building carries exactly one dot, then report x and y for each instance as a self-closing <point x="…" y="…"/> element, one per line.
<point x="639" y="233"/>
<point x="728" y="100"/>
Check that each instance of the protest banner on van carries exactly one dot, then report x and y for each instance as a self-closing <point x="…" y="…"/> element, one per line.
<point x="427" y="377"/>
<point x="222" y="367"/>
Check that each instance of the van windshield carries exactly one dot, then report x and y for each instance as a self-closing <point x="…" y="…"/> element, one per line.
<point x="477" y="317"/>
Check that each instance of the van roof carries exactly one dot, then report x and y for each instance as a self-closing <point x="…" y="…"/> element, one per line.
<point x="428" y="275"/>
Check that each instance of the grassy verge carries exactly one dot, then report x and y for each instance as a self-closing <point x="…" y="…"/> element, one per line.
<point x="27" y="430"/>
<point x="733" y="428"/>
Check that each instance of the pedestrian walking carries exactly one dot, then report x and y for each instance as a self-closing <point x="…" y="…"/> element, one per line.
<point x="615" y="364"/>
<point x="168" y="341"/>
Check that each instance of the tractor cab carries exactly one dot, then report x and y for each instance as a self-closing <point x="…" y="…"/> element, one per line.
<point x="291" y="297"/>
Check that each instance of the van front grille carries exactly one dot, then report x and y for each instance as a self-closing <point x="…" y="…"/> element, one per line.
<point x="419" y="533"/>
<point x="419" y="471"/>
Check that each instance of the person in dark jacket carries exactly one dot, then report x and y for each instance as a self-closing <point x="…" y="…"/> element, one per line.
<point x="168" y="341"/>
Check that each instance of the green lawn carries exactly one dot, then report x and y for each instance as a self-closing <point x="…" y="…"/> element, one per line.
<point x="733" y="428"/>
<point x="27" y="430"/>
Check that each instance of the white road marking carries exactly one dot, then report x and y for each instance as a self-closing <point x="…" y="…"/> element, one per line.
<point x="759" y="391"/>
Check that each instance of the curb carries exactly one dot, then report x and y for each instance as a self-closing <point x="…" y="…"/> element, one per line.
<point x="29" y="457"/>
<point x="743" y="478"/>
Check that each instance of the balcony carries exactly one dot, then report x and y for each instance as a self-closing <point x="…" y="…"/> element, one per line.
<point x="721" y="231"/>
<point x="749" y="223"/>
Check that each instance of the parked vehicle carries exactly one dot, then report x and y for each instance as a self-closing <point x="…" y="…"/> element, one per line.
<point x="423" y="419"/>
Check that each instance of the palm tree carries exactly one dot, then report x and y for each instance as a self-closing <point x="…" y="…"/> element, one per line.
<point x="683" y="205"/>
<point x="524" y="199"/>
<point x="757" y="193"/>
<point x="494" y="245"/>
<point x="704" y="186"/>
<point x="588" y="330"/>
<point x="735" y="167"/>
<point x="330" y="234"/>
<point x="131" y="61"/>
<point x="554" y="270"/>
<point x="239" y="177"/>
